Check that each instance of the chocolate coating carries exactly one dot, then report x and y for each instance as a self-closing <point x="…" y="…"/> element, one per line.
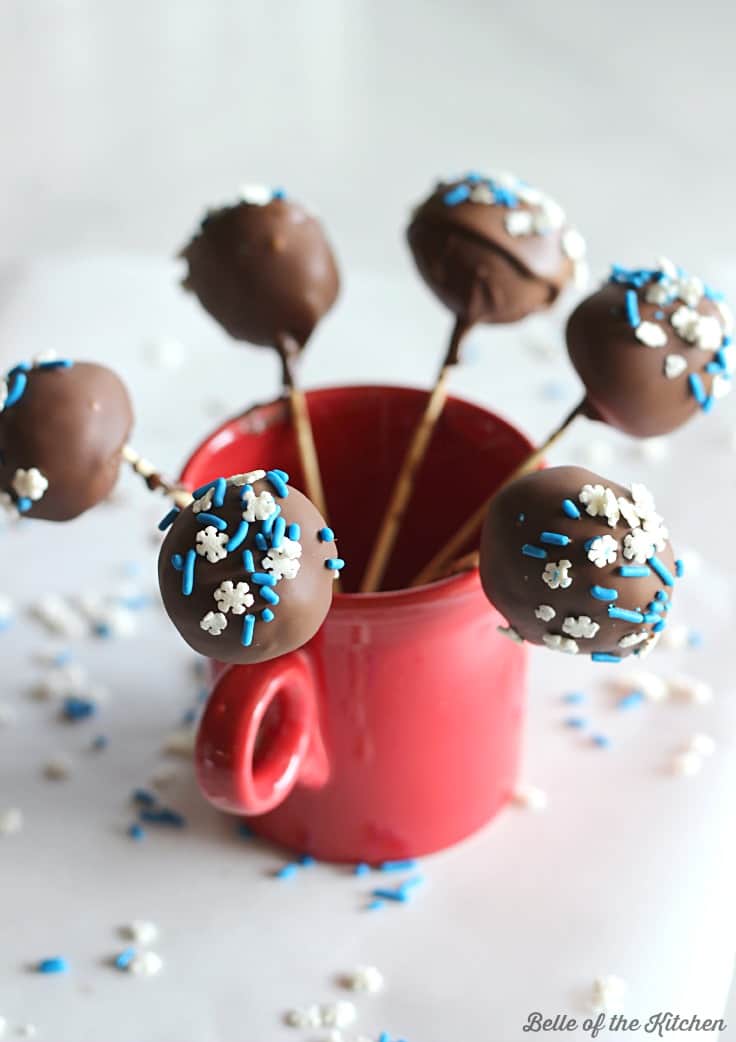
<point x="303" y="599"/>
<point x="649" y="390"/>
<point x="67" y="429"/>
<point x="568" y="616"/>
<point x="263" y="271"/>
<point x="465" y="252"/>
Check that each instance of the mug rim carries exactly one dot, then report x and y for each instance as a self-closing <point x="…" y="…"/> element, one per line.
<point x="463" y="582"/>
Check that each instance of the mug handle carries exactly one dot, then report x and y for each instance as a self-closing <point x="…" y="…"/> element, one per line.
<point x="259" y="736"/>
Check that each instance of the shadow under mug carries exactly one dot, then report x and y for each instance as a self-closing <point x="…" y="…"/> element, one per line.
<point x="396" y="730"/>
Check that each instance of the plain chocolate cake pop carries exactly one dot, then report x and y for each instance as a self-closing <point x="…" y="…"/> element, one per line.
<point x="578" y="563"/>
<point x="63" y="426"/>
<point x="493" y="249"/>
<point x="246" y="571"/>
<point x="653" y="347"/>
<point x="263" y="268"/>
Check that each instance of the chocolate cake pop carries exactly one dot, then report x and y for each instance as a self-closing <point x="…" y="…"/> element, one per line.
<point x="263" y="268"/>
<point x="246" y="571"/>
<point x="493" y="249"/>
<point x="652" y="347"/>
<point x="578" y="563"/>
<point x="63" y="426"/>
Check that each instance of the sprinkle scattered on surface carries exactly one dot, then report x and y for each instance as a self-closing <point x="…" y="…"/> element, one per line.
<point x="56" y="964"/>
<point x="367" y="979"/>
<point x="531" y="797"/>
<point x="142" y="931"/>
<point x="608" y="994"/>
<point x="11" y="821"/>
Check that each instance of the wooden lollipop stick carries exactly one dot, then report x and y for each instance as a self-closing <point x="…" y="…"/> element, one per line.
<point x="445" y="561"/>
<point x="288" y="350"/>
<point x="155" y="481"/>
<point x="404" y="485"/>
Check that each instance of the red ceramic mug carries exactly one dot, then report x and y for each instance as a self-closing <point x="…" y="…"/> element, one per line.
<point x="396" y="730"/>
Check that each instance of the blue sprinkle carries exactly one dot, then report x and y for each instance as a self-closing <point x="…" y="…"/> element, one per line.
<point x="287" y="871"/>
<point x="603" y="656"/>
<point x="165" y="522"/>
<point x="570" y="509"/>
<point x="632" y="308"/>
<point x="294" y="531"/>
<point x="278" y="193"/>
<point x="574" y="698"/>
<point x="326" y="535"/>
<point x="533" y="551"/>
<point x="267" y="615"/>
<point x="245" y="831"/>
<point x="334" y="563"/>
<point x="306" y="861"/>
<point x="279" y="531"/>
<point x="220" y="489"/>
<point x="633" y="571"/>
<point x="144" y="798"/>
<point x="603" y="593"/>
<point x="280" y="473"/>
<point x="189" y="717"/>
<point x="124" y="959"/>
<point x="361" y="869"/>
<point x="473" y="177"/>
<point x="659" y="626"/>
<point x="664" y="573"/>
<point x="397" y="895"/>
<point x="58" y="964"/>
<point x="697" y="389"/>
<point x="656" y="606"/>
<point x="679" y="568"/>
<point x="577" y="722"/>
<point x="268" y="523"/>
<point x="187" y="584"/>
<point x="244" y="492"/>
<point x="411" y="883"/>
<point x="554" y="539"/>
<point x="102" y="629"/>
<point x="714" y="367"/>
<point x="384" y="1037"/>
<point x="694" y="639"/>
<point x="56" y="363"/>
<point x="235" y="540"/>
<point x="713" y="294"/>
<point x="374" y="905"/>
<point x="263" y="579"/>
<point x="17" y="387"/>
<point x="456" y="195"/>
<point x="248" y="626"/>
<point x="278" y="483"/>
<point x="708" y="404"/>
<point x="177" y="562"/>
<point x="23" y="504"/>
<point x="398" y="866"/>
<point x="75" y="708"/>
<point x="199" y="492"/>
<point x="260" y="541"/>
<point x="659" y="315"/>
<point x="163" y="816"/>
<point x="204" y="518"/>
<point x="660" y="595"/>
<point x="624" y="614"/>
<point x="101" y="741"/>
<point x="136" y="831"/>
<point x="650" y="616"/>
<point x="601" y="740"/>
<point x="634" y="698"/>
<point x="268" y="594"/>
<point x="248" y="562"/>
<point x="521" y="518"/>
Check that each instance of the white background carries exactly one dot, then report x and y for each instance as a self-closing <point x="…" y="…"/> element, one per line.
<point x="120" y="122"/>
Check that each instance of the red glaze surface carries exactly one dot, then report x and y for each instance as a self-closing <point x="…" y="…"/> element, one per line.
<point x="396" y="730"/>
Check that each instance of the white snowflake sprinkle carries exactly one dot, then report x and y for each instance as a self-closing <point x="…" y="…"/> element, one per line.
<point x="644" y="503"/>
<point x="531" y="797"/>
<point x="573" y="244"/>
<point x="141" y="931"/>
<point x="690" y="290"/>
<point x="11" y="821"/>
<point x="255" y="195"/>
<point x="703" y="331"/>
<point x="180" y="743"/>
<point x="283" y="561"/>
<point x="674" y="366"/>
<point x="340" y="1014"/>
<point x="629" y="512"/>
<point x="214" y="623"/>
<point x="638" y="546"/>
<point x="557" y="574"/>
<point x="249" y="478"/>
<point x="367" y="979"/>
<point x="722" y="386"/>
<point x="559" y="643"/>
<point x="630" y="640"/>
<point x="726" y="316"/>
<point x="145" y="964"/>
<point x="659" y="293"/>
<point x="310" y="1017"/>
<point x="29" y="484"/>
<point x="600" y="501"/>
<point x="608" y="994"/>
<point x="650" y="334"/>
<point x="545" y="612"/>
<point x="211" y="544"/>
<point x="690" y="689"/>
<point x="603" y="550"/>
<point x="511" y="633"/>
<point x="657" y="532"/>
<point x="482" y="194"/>
<point x="687" y="763"/>
<point x="582" y="626"/>
<point x="233" y="597"/>
<point x="204" y="503"/>
<point x="702" y="744"/>
<point x="258" y="507"/>
<point x="519" y="222"/>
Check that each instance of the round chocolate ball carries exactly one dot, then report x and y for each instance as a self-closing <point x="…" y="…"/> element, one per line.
<point x="493" y="249"/>
<point x="579" y="564"/>
<point x="652" y="347"/>
<point x="263" y="268"/>
<point x="247" y="570"/>
<point x="63" y="425"/>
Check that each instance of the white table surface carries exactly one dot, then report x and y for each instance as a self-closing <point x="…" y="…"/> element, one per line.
<point x="121" y="121"/>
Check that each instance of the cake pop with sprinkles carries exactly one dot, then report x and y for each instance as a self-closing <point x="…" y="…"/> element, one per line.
<point x="653" y="347"/>
<point x="246" y="571"/>
<point x="579" y="564"/>
<point x="263" y="268"/>
<point x="63" y="426"/>
<point x="494" y="249"/>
